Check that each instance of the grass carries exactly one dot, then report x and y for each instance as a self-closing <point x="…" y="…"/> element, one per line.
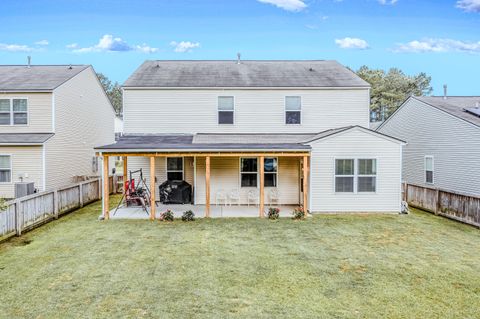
<point x="338" y="266"/>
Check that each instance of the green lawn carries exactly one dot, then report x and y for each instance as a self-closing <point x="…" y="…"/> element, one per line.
<point x="338" y="266"/>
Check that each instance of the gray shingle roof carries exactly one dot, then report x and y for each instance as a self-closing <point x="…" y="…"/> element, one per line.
<point x="20" y="78"/>
<point x="454" y="105"/>
<point x="246" y="74"/>
<point x="24" y="138"/>
<point x="248" y="138"/>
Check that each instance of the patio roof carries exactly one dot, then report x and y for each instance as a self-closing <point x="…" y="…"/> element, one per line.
<point x="24" y="138"/>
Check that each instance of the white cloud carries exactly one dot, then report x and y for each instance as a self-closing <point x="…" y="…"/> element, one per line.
<point x="387" y="2"/>
<point x="108" y="43"/>
<point x="184" y="46"/>
<point x="469" y="5"/>
<point x="15" y="47"/>
<point x="289" y="5"/>
<point x="438" y="45"/>
<point x="352" y="43"/>
<point x="42" y="42"/>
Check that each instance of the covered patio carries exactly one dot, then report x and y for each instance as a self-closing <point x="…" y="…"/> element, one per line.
<point x="217" y="162"/>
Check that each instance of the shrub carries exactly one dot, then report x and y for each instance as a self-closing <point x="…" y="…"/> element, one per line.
<point x="167" y="216"/>
<point x="298" y="213"/>
<point x="273" y="213"/>
<point x="3" y="204"/>
<point x="188" y="216"/>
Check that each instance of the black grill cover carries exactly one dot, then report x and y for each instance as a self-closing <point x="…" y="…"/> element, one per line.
<point x="175" y="192"/>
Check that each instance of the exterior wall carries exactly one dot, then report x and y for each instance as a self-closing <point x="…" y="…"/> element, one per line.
<point x="84" y="118"/>
<point x="39" y="113"/>
<point x="262" y="111"/>
<point x="25" y="160"/>
<point x="224" y="175"/>
<point x="355" y="144"/>
<point x="454" y="143"/>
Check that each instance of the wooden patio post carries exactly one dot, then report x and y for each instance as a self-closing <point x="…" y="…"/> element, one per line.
<point x="305" y="184"/>
<point x="207" y="186"/>
<point x="152" y="188"/>
<point x="106" y="191"/>
<point x="262" y="186"/>
<point x="125" y="173"/>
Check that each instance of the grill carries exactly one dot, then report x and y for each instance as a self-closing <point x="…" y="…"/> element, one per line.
<point x="175" y="192"/>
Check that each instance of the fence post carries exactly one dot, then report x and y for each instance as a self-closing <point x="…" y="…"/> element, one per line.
<point x="55" y="204"/>
<point x="18" y="220"/>
<point x="80" y="194"/>
<point x="437" y="201"/>
<point x="406" y="192"/>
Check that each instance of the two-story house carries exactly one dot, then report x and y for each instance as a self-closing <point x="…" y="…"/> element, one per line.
<point x="261" y="132"/>
<point x="51" y="117"/>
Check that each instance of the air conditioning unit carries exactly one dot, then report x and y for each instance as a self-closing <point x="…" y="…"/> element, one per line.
<point x="24" y="189"/>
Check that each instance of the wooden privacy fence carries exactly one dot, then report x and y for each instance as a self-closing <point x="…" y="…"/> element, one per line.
<point x="458" y="206"/>
<point x="31" y="211"/>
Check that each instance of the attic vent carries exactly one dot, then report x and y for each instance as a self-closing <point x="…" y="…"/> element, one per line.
<point x="473" y="110"/>
<point x="311" y="69"/>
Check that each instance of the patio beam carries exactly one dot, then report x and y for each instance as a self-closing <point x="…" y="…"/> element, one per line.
<point x="207" y="186"/>
<point x="152" y="188"/>
<point x="262" y="186"/>
<point x="214" y="154"/>
<point x="106" y="191"/>
<point x="305" y="184"/>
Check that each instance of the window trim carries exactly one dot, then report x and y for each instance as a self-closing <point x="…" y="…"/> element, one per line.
<point x="234" y="110"/>
<point x="11" y="169"/>
<point x="257" y="173"/>
<point x="276" y="173"/>
<point x="425" y="169"/>
<point x="355" y="174"/>
<point x="175" y="171"/>
<point x="285" y="110"/>
<point x="12" y="112"/>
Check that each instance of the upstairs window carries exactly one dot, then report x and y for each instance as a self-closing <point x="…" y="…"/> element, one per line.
<point x="226" y="110"/>
<point x="248" y="172"/>
<point x="175" y="168"/>
<point x="13" y="112"/>
<point x="293" y="110"/>
<point x="429" y="169"/>
<point x="5" y="169"/>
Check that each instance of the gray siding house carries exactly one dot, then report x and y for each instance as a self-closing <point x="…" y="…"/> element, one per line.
<point x="51" y="117"/>
<point x="270" y="132"/>
<point x="443" y="136"/>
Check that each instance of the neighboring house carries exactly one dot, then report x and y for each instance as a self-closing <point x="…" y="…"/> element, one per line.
<point x="443" y="135"/>
<point x="51" y="117"/>
<point x="118" y="126"/>
<point x="213" y="124"/>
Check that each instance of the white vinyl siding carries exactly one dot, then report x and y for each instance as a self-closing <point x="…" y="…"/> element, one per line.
<point x="355" y="144"/>
<point x="259" y="111"/>
<point x="454" y="143"/>
<point x="84" y="119"/>
<point x="26" y="113"/>
<point x="25" y="161"/>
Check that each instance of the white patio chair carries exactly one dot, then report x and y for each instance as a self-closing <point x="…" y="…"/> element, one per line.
<point x="221" y="196"/>
<point x="273" y="196"/>
<point x="234" y="196"/>
<point x="252" y="196"/>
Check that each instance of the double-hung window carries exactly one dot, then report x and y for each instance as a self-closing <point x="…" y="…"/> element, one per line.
<point x="356" y="175"/>
<point x="293" y="110"/>
<point x="226" y="110"/>
<point x="271" y="171"/>
<point x="13" y="112"/>
<point x="5" y="169"/>
<point x="344" y="175"/>
<point x="175" y="168"/>
<point x="429" y="169"/>
<point x="248" y="172"/>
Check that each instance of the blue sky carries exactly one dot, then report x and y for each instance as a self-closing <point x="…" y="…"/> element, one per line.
<point x="441" y="38"/>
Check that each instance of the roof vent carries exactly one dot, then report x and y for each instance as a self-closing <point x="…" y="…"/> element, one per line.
<point x="70" y="67"/>
<point x="239" y="60"/>
<point x="29" y="61"/>
<point x="311" y="69"/>
<point x="445" y="91"/>
<point x="474" y="110"/>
